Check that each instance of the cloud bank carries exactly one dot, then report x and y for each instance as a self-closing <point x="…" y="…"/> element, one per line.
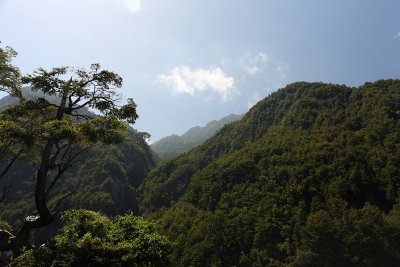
<point x="182" y="79"/>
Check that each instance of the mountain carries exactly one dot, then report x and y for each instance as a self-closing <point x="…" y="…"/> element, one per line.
<point x="27" y="93"/>
<point x="173" y="145"/>
<point x="310" y="176"/>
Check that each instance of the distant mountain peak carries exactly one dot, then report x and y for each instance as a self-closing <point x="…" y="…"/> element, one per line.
<point x="173" y="145"/>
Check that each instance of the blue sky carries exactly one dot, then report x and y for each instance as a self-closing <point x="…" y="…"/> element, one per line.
<point x="186" y="62"/>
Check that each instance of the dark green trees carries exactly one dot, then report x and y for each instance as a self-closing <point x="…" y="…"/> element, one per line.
<point x="309" y="177"/>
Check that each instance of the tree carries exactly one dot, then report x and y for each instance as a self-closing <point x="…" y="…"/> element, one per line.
<point x="59" y="132"/>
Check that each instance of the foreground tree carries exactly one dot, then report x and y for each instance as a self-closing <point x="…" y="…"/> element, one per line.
<point x="59" y="131"/>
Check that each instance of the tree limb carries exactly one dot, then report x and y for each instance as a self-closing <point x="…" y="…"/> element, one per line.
<point x="6" y="191"/>
<point x="11" y="163"/>
<point x="64" y="197"/>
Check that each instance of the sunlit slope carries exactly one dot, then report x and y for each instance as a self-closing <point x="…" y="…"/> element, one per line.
<point x="309" y="177"/>
<point x="300" y="105"/>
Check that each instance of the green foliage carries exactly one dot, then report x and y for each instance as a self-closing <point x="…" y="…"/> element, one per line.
<point x="58" y="130"/>
<point x="91" y="239"/>
<point x="309" y="177"/>
<point x="128" y="111"/>
<point x="349" y="237"/>
<point x="108" y="130"/>
<point x="81" y="225"/>
<point x="138" y="237"/>
<point x="48" y="126"/>
<point x="5" y="226"/>
<point x="9" y="74"/>
<point x="62" y="131"/>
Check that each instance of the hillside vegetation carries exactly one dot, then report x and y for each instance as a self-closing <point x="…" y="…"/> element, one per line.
<point x="309" y="177"/>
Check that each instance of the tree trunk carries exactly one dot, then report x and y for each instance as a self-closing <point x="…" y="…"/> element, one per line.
<point x="41" y="183"/>
<point x="41" y="180"/>
<point x="45" y="217"/>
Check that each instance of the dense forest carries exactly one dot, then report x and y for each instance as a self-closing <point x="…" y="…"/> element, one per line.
<point x="308" y="177"/>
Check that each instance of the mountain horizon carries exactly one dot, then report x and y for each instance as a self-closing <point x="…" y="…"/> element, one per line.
<point x="173" y="145"/>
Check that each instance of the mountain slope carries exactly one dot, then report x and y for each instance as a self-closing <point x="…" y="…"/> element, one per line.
<point x="173" y="145"/>
<point x="27" y="93"/>
<point x="309" y="177"/>
<point x="169" y="181"/>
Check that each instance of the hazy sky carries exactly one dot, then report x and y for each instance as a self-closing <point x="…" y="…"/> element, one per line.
<point x="186" y="62"/>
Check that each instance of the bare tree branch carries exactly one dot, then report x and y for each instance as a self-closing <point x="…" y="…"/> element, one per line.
<point x="65" y="164"/>
<point x="64" y="197"/>
<point x="78" y="116"/>
<point x="11" y="163"/>
<point x="6" y="191"/>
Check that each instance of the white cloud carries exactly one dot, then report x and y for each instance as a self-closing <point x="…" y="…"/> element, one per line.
<point x="282" y="69"/>
<point x="184" y="80"/>
<point x="132" y="6"/>
<point x="253" y="70"/>
<point x="396" y="36"/>
<point x="254" y="64"/>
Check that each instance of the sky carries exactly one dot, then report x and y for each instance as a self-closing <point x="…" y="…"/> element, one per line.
<point x="187" y="62"/>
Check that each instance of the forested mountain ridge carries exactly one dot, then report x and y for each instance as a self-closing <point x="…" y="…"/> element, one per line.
<point x="309" y="177"/>
<point x="173" y="145"/>
<point x="27" y="93"/>
<point x="276" y="109"/>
